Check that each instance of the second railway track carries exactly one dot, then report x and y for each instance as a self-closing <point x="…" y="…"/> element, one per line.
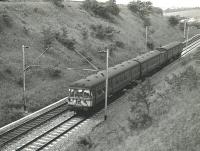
<point x="22" y="129"/>
<point x="48" y="137"/>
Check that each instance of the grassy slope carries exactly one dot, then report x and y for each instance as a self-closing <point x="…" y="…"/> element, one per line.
<point x="27" y="21"/>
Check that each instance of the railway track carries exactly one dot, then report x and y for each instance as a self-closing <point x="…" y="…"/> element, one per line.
<point x="50" y="136"/>
<point x="22" y="129"/>
<point x="47" y="139"/>
<point x="189" y="48"/>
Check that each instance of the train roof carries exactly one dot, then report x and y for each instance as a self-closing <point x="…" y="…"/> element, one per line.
<point x="147" y="56"/>
<point x="169" y="46"/>
<point x="99" y="77"/>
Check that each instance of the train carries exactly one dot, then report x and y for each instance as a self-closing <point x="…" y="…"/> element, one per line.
<point x="86" y="94"/>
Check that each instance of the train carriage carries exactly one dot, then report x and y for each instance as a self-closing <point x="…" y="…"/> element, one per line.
<point x="173" y="50"/>
<point x="148" y="62"/>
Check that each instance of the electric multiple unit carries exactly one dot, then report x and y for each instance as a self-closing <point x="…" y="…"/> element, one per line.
<point x="86" y="94"/>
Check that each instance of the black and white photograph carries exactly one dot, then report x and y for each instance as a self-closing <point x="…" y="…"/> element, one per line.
<point x="99" y="75"/>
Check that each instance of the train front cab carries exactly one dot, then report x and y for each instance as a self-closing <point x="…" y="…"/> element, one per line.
<point x="80" y="99"/>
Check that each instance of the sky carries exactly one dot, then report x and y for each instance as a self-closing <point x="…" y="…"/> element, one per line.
<point x="164" y="4"/>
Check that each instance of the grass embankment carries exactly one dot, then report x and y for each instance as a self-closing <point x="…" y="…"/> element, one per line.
<point x="174" y="116"/>
<point x="43" y="25"/>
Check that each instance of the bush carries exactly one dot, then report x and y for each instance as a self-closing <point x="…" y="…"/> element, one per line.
<point x="58" y="3"/>
<point x="100" y="9"/>
<point x="150" y="45"/>
<point x="102" y="32"/>
<point x="157" y="10"/>
<point x="7" y="19"/>
<point x="113" y="8"/>
<point x="112" y="48"/>
<point x="140" y="8"/>
<point x="69" y="43"/>
<point x="196" y="24"/>
<point x="187" y="79"/>
<point x="86" y="142"/>
<point x="140" y="108"/>
<point x="48" y="37"/>
<point x="20" y="82"/>
<point x="65" y="40"/>
<point x="55" y="73"/>
<point x="8" y="71"/>
<point x="173" y="20"/>
<point x="26" y="30"/>
<point x="84" y="33"/>
<point x="120" y="44"/>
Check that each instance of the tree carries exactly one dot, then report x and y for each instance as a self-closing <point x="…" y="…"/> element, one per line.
<point x="173" y="20"/>
<point x="140" y="108"/>
<point x="141" y="8"/>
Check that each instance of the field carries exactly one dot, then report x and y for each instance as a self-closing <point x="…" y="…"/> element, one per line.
<point x="187" y="13"/>
<point x="60" y="32"/>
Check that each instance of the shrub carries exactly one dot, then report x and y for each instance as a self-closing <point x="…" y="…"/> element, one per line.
<point x="120" y="44"/>
<point x="54" y="73"/>
<point x="150" y="45"/>
<point x="65" y="40"/>
<point x="173" y="20"/>
<point x="112" y="7"/>
<point x="8" y="71"/>
<point x="157" y="10"/>
<point x="140" y="119"/>
<point x="20" y="82"/>
<point x="26" y="30"/>
<point x="196" y="24"/>
<point x="84" y="33"/>
<point x="189" y="78"/>
<point x="112" y="48"/>
<point x="58" y="3"/>
<point x="140" y="108"/>
<point x="69" y="43"/>
<point x="7" y="19"/>
<point x="140" y="8"/>
<point x="100" y="9"/>
<point x="102" y="32"/>
<point x="86" y="142"/>
<point x="48" y="37"/>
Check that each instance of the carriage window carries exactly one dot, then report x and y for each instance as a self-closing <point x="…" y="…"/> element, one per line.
<point x="86" y="93"/>
<point x="71" y="92"/>
<point x="79" y="93"/>
<point x="75" y="92"/>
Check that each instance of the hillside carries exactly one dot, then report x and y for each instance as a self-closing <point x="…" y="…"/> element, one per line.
<point x="40" y="25"/>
